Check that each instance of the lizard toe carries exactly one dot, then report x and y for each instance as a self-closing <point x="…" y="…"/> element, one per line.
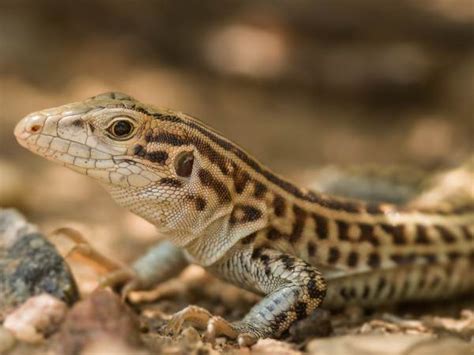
<point x="117" y="278"/>
<point x="217" y="326"/>
<point x="194" y="315"/>
<point x="246" y="339"/>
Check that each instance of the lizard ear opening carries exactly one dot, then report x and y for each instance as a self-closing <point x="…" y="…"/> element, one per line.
<point x="183" y="164"/>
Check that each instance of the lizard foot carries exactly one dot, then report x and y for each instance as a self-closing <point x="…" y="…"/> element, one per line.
<point x="215" y="326"/>
<point x="125" y="280"/>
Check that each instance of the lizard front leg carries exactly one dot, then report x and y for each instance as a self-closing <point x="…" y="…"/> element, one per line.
<point x="293" y="289"/>
<point x="160" y="263"/>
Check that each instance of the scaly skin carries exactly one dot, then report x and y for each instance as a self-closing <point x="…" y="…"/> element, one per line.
<point x="223" y="210"/>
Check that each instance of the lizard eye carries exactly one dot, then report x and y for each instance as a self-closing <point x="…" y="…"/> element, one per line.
<point x="121" y="129"/>
<point x="183" y="164"/>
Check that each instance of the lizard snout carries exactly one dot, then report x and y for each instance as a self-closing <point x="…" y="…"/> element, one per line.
<point x="28" y="126"/>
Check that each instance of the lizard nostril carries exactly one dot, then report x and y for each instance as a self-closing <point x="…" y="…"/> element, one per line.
<point x="34" y="128"/>
<point x="34" y="124"/>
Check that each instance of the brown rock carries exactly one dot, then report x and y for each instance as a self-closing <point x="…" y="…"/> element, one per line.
<point x="101" y="316"/>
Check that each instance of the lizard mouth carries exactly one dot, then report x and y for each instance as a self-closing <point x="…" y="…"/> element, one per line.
<point x="43" y="135"/>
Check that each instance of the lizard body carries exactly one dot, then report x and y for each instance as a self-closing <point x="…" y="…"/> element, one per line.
<point x="224" y="210"/>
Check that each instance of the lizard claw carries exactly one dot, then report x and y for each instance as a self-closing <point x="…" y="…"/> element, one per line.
<point x="195" y="315"/>
<point x="219" y="326"/>
<point x="215" y="326"/>
<point x="116" y="278"/>
<point x="246" y="340"/>
<point x="125" y="280"/>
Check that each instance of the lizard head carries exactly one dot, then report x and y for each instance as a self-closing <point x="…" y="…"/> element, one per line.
<point x="155" y="162"/>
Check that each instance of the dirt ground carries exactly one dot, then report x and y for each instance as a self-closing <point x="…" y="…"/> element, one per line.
<point x="300" y="85"/>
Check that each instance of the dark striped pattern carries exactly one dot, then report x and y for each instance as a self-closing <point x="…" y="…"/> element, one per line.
<point x="422" y="235"/>
<point x="467" y="234"/>
<point x="241" y="179"/>
<point x="200" y="203"/>
<point x="352" y="259"/>
<point x="274" y="234"/>
<point x="374" y="260"/>
<point x="343" y="230"/>
<point x="298" y="224"/>
<point x="447" y="236"/>
<point x="259" y="190"/>
<point x="396" y="232"/>
<point x="220" y="160"/>
<point x="221" y="190"/>
<point x="321" y="226"/>
<point x="244" y="213"/>
<point x="158" y="156"/>
<point x="279" y="206"/>
<point x="367" y="234"/>
<point x="171" y="182"/>
<point x="333" y="255"/>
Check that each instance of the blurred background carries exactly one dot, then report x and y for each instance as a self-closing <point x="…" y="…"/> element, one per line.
<point x="298" y="83"/>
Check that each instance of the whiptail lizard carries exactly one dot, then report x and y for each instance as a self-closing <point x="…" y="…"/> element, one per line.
<point x="222" y="209"/>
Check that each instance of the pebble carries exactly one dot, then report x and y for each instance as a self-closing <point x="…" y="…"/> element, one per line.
<point x="30" y="265"/>
<point x="101" y="316"/>
<point x="37" y="318"/>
